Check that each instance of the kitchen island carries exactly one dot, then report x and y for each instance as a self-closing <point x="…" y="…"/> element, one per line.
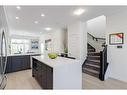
<point x="59" y="73"/>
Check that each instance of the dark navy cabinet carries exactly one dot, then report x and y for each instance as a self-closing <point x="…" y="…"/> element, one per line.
<point x="43" y="74"/>
<point x="49" y="73"/>
<point x="17" y="63"/>
<point x="9" y="65"/>
<point x="25" y="62"/>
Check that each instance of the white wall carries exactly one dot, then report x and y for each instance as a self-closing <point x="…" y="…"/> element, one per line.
<point x="96" y="44"/>
<point x="57" y="40"/>
<point x="97" y="26"/>
<point x="117" y="58"/>
<point x="77" y="40"/>
<point x="45" y="37"/>
<point x="83" y="41"/>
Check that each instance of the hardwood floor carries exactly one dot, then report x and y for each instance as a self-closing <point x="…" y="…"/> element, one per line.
<point x="90" y="82"/>
<point x="21" y="80"/>
<point x="24" y="80"/>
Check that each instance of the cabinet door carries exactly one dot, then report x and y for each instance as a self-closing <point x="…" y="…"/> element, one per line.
<point x="34" y="66"/>
<point x="16" y="63"/>
<point x="38" y="74"/>
<point x="9" y="65"/>
<point x="49" y="72"/>
<point x="44" y="76"/>
<point x="26" y="62"/>
<point x="39" y="78"/>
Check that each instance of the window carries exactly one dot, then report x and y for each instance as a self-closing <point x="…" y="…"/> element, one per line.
<point x="19" y="46"/>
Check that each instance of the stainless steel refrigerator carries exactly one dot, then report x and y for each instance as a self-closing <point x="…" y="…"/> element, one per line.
<point x="3" y="59"/>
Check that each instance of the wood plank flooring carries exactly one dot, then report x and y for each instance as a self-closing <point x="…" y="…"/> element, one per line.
<point x="24" y="80"/>
<point x="21" y="80"/>
<point x="90" y="82"/>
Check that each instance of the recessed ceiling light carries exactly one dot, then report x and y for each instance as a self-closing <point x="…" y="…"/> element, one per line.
<point x="16" y="17"/>
<point x="79" y="11"/>
<point x="36" y="22"/>
<point x="48" y="28"/>
<point x="42" y="14"/>
<point x="18" y="7"/>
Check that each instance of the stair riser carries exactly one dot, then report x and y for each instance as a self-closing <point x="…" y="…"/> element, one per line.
<point x="92" y="67"/>
<point x="93" y="54"/>
<point x="93" y="58"/>
<point x="89" y="47"/>
<point x="91" y="50"/>
<point x="95" y="63"/>
<point x="91" y="73"/>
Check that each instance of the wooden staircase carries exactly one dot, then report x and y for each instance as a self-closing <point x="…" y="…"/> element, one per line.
<point x="96" y="62"/>
<point x="92" y="64"/>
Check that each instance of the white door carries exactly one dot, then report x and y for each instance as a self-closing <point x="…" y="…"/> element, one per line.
<point x="74" y="46"/>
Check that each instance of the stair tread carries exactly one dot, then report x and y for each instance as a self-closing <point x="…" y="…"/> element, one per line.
<point x="91" y="49"/>
<point x="93" y="53"/>
<point x="91" y="74"/>
<point x="97" y="66"/>
<point x="92" y="71"/>
<point x="92" y="60"/>
<point x="94" y="56"/>
<point x="92" y="64"/>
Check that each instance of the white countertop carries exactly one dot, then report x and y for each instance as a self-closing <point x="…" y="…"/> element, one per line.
<point x="23" y="54"/>
<point x="59" y="61"/>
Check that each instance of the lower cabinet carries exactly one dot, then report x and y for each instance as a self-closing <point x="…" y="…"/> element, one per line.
<point x="25" y="62"/>
<point x="43" y="74"/>
<point x="17" y="63"/>
<point x="49" y="78"/>
<point x="9" y="65"/>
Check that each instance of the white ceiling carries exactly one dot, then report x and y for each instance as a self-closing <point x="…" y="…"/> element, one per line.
<point x="55" y="16"/>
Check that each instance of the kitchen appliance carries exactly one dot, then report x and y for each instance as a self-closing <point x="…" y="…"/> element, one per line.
<point x="3" y="59"/>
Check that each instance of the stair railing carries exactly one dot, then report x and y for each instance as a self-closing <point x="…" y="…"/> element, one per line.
<point x="95" y="38"/>
<point x="103" y="63"/>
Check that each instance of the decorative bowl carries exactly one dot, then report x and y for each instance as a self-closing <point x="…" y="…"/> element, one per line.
<point x="52" y="55"/>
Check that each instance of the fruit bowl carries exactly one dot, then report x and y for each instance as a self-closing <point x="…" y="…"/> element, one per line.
<point x="52" y="55"/>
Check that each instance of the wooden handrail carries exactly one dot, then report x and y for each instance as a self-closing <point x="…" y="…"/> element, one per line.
<point x="95" y="37"/>
<point x="103" y="63"/>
